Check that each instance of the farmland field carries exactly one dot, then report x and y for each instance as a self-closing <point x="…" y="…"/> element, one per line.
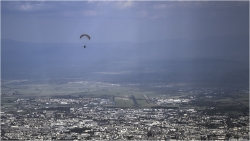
<point x="120" y="93"/>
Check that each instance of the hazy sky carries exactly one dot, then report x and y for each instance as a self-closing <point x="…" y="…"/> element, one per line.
<point x="134" y="21"/>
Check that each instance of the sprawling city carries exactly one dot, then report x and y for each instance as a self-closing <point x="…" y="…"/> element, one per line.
<point x="187" y="113"/>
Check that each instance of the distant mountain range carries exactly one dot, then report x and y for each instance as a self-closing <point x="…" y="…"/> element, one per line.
<point x="178" y="59"/>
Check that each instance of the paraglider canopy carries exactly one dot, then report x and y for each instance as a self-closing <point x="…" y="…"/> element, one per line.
<point x="85" y="36"/>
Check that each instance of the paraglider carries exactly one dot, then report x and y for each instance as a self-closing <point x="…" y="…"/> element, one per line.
<point x="85" y="36"/>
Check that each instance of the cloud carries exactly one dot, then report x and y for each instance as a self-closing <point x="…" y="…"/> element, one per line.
<point x="51" y="9"/>
<point x="31" y="6"/>
<point x="25" y="6"/>
<point x="124" y="4"/>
